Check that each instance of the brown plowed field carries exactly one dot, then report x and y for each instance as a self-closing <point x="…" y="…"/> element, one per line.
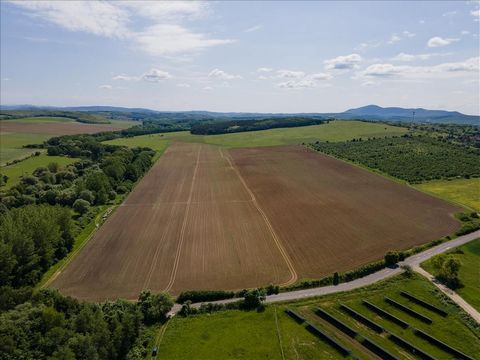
<point x="190" y="223"/>
<point x="69" y="128"/>
<point x="333" y="216"/>
<point x="207" y="218"/>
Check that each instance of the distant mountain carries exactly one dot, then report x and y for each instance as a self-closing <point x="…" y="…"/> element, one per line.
<point x="369" y="112"/>
<point x="374" y="112"/>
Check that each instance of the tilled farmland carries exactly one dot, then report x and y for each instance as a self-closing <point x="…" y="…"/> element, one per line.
<point x="209" y="218"/>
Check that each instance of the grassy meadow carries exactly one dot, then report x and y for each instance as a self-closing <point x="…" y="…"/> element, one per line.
<point x="469" y="274"/>
<point x="461" y="191"/>
<point x="255" y="335"/>
<point x="26" y="167"/>
<point x="333" y="131"/>
<point x="11" y="145"/>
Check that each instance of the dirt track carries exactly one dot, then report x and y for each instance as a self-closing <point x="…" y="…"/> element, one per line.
<point x="202" y="220"/>
<point x="69" y="128"/>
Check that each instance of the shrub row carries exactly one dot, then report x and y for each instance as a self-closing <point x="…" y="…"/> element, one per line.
<point x="408" y="310"/>
<point x="335" y="322"/>
<point x="385" y="314"/>
<point x="442" y="345"/>
<point x="332" y="342"/>
<point x="342" y="277"/>
<point x="364" y="320"/>
<point x="204" y="295"/>
<point x="297" y="317"/>
<point x="409" y="347"/>
<point x="376" y="349"/>
<point x="424" y="303"/>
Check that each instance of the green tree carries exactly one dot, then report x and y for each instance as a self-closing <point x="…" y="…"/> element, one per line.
<point x="81" y="206"/>
<point x="392" y="258"/>
<point x="155" y="307"/>
<point x="253" y="298"/>
<point x="336" y="279"/>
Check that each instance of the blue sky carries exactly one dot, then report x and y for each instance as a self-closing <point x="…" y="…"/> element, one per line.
<point x="242" y="56"/>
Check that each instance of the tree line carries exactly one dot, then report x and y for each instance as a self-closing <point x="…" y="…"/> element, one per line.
<point x="232" y="126"/>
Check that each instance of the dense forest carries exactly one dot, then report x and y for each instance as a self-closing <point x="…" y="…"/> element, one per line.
<point x="80" y="116"/>
<point x="39" y="219"/>
<point x="225" y="127"/>
<point x="411" y="158"/>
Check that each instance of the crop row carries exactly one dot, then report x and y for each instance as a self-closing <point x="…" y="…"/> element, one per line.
<point x="364" y="320"/>
<point x="408" y="310"/>
<point x="385" y="314"/>
<point x="424" y="303"/>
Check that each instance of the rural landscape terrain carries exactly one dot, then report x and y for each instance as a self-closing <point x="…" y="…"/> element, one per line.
<point x="239" y="180"/>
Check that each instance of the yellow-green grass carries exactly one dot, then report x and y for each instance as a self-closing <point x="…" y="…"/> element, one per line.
<point x="124" y="124"/>
<point x="11" y="145"/>
<point x="469" y="274"/>
<point x="157" y="142"/>
<point x="461" y="191"/>
<point x="26" y="167"/>
<point x="252" y="335"/>
<point x="239" y="334"/>
<point x="333" y="131"/>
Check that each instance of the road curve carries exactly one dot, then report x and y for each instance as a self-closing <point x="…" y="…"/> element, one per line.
<point x="413" y="261"/>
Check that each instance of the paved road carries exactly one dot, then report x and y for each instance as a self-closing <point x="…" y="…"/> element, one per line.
<point x="413" y="261"/>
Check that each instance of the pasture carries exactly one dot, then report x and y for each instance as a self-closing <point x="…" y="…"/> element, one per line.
<point x="461" y="191"/>
<point x="333" y="131"/>
<point x="205" y="217"/>
<point x="234" y="334"/>
<point x="26" y="167"/>
<point x="16" y="133"/>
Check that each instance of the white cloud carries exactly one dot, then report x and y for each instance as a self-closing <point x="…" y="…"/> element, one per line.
<point x="164" y="36"/>
<point x="183" y="85"/>
<point x="412" y="57"/>
<point x="343" y="62"/>
<point x="220" y="74"/>
<point x="368" y="45"/>
<point x="475" y="13"/>
<point x="394" y="39"/>
<point x="465" y="32"/>
<point x="408" y="34"/>
<point x="261" y="77"/>
<point x="290" y="74"/>
<point x="155" y="75"/>
<point x="368" y="83"/>
<point x="264" y="69"/>
<point x="253" y="28"/>
<point x="167" y="39"/>
<point x="125" y="77"/>
<point x="208" y="88"/>
<point x="106" y="87"/>
<point x="446" y="70"/>
<point x="307" y="82"/>
<point x="449" y="14"/>
<point x="438" y="41"/>
<point x="421" y="22"/>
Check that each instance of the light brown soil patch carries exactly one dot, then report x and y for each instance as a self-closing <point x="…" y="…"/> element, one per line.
<point x="190" y="223"/>
<point x="70" y="128"/>
<point x="333" y="216"/>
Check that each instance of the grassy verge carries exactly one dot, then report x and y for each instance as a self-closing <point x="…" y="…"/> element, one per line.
<point x="80" y="241"/>
<point x="469" y="274"/>
<point x="236" y="334"/>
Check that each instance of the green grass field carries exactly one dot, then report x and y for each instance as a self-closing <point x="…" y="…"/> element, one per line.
<point x="333" y="131"/>
<point x="252" y="335"/>
<point x="462" y="191"/>
<point x="469" y="273"/>
<point x="11" y="145"/>
<point x="26" y="167"/>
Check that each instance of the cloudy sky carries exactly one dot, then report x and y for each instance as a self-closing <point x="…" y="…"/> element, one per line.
<point x="242" y="56"/>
